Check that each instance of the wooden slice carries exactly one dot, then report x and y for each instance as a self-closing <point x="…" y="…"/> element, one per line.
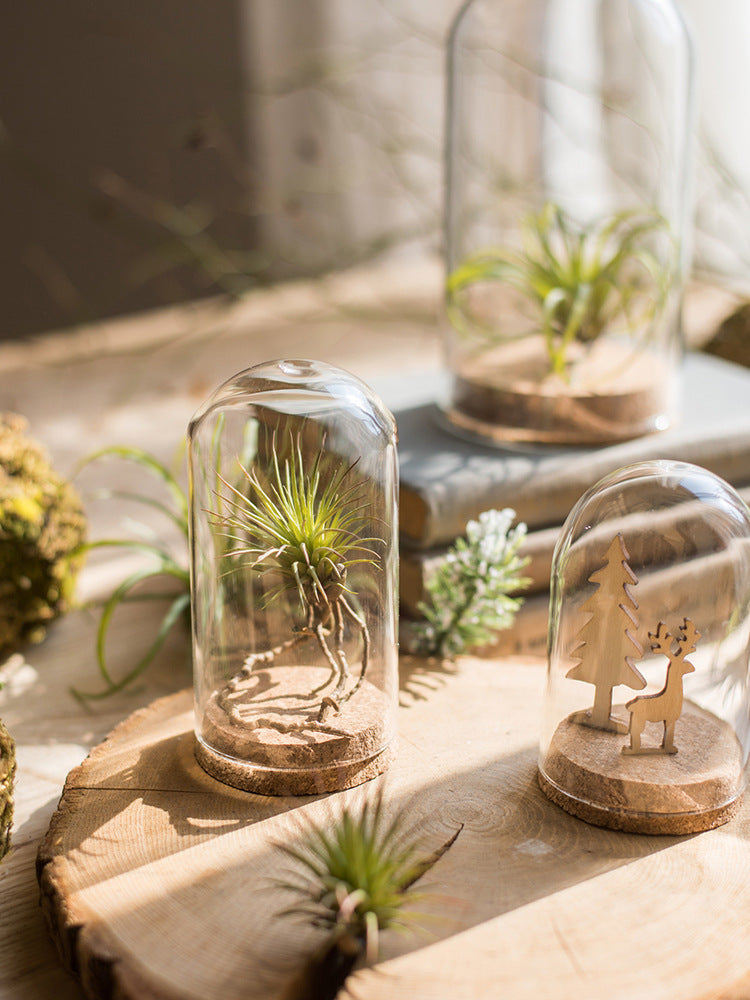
<point x="587" y="773"/>
<point x="278" y="746"/>
<point x="161" y="883"/>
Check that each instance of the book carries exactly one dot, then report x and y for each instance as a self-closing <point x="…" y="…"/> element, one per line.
<point x="538" y="547"/>
<point x="416" y="567"/>
<point x="446" y="479"/>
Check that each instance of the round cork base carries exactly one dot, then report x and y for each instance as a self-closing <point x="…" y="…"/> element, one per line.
<point x="509" y="395"/>
<point x="276" y="745"/>
<point x="696" y="789"/>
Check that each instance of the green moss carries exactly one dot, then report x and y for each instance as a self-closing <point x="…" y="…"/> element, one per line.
<point x="7" y="776"/>
<point x="42" y="528"/>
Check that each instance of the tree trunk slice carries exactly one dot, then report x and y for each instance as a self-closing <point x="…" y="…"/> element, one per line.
<point x="615" y="394"/>
<point x="586" y="773"/>
<point x="158" y="881"/>
<point x="280" y="748"/>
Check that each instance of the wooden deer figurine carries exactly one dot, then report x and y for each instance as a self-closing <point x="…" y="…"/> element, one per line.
<point x="666" y="706"/>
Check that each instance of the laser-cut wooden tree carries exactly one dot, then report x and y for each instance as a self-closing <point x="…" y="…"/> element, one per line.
<point x="608" y="647"/>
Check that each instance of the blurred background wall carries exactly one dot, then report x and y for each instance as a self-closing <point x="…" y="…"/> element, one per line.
<point x="156" y="152"/>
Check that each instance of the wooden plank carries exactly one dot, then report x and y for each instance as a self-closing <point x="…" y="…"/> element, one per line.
<point x="159" y="881"/>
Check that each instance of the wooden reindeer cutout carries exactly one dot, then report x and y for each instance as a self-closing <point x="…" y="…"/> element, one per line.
<point x="666" y="706"/>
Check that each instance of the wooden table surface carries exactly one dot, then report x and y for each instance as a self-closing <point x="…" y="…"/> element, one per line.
<point x="160" y="882"/>
<point x="137" y="382"/>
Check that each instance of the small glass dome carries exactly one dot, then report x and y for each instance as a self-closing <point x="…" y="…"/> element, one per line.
<point x="294" y="561"/>
<point x="647" y="707"/>
<point x="567" y="179"/>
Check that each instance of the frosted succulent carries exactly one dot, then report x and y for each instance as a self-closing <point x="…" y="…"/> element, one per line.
<point x="469" y="591"/>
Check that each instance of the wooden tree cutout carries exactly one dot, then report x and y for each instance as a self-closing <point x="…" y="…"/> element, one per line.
<point x="666" y="705"/>
<point x="608" y="637"/>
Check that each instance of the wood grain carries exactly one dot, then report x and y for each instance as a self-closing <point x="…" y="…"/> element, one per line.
<point x="158" y="881"/>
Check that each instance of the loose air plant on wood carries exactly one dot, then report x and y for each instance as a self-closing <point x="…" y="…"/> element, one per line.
<point x="301" y="530"/>
<point x="354" y="881"/>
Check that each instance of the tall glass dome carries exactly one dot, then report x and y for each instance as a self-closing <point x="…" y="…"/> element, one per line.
<point x="568" y="150"/>
<point x="294" y="528"/>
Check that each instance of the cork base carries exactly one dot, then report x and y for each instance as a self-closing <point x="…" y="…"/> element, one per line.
<point x="586" y="773"/>
<point x="509" y="395"/>
<point x="276" y="744"/>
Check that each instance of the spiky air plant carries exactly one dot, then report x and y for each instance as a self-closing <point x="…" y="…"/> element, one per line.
<point x="302" y="529"/>
<point x="355" y="880"/>
<point x="7" y="777"/>
<point x="579" y="281"/>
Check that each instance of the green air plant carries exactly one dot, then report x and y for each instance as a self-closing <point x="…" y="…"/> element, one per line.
<point x="355" y="880"/>
<point x="300" y="529"/>
<point x="580" y="282"/>
<point x="161" y="564"/>
<point x="7" y="777"/>
<point x="469" y="591"/>
<point x="42" y="530"/>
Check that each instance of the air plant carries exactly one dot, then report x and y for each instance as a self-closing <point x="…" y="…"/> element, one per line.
<point x="356" y="881"/>
<point x="301" y="529"/>
<point x="579" y="281"/>
<point x="469" y="591"/>
<point x="162" y="564"/>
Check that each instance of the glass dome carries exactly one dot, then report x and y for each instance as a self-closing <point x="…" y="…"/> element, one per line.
<point x="647" y="706"/>
<point x="294" y="527"/>
<point x="568" y="145"/>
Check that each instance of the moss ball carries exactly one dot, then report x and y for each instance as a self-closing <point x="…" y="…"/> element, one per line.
<point x="7" y="776"/>
<point x="42" y="528"/>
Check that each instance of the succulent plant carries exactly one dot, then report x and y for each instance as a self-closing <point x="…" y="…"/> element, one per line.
<point x="579" y="281"/>
<point x="7" y="777"/>
<point x="42" y="527"/>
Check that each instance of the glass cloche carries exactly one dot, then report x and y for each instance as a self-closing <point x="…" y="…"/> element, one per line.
<point x="294" y="527"/>
<point x="568" y="151"/>
<point x="647" y="707"/>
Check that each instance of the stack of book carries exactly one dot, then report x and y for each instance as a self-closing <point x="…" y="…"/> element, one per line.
<point x="447" y="480"/>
